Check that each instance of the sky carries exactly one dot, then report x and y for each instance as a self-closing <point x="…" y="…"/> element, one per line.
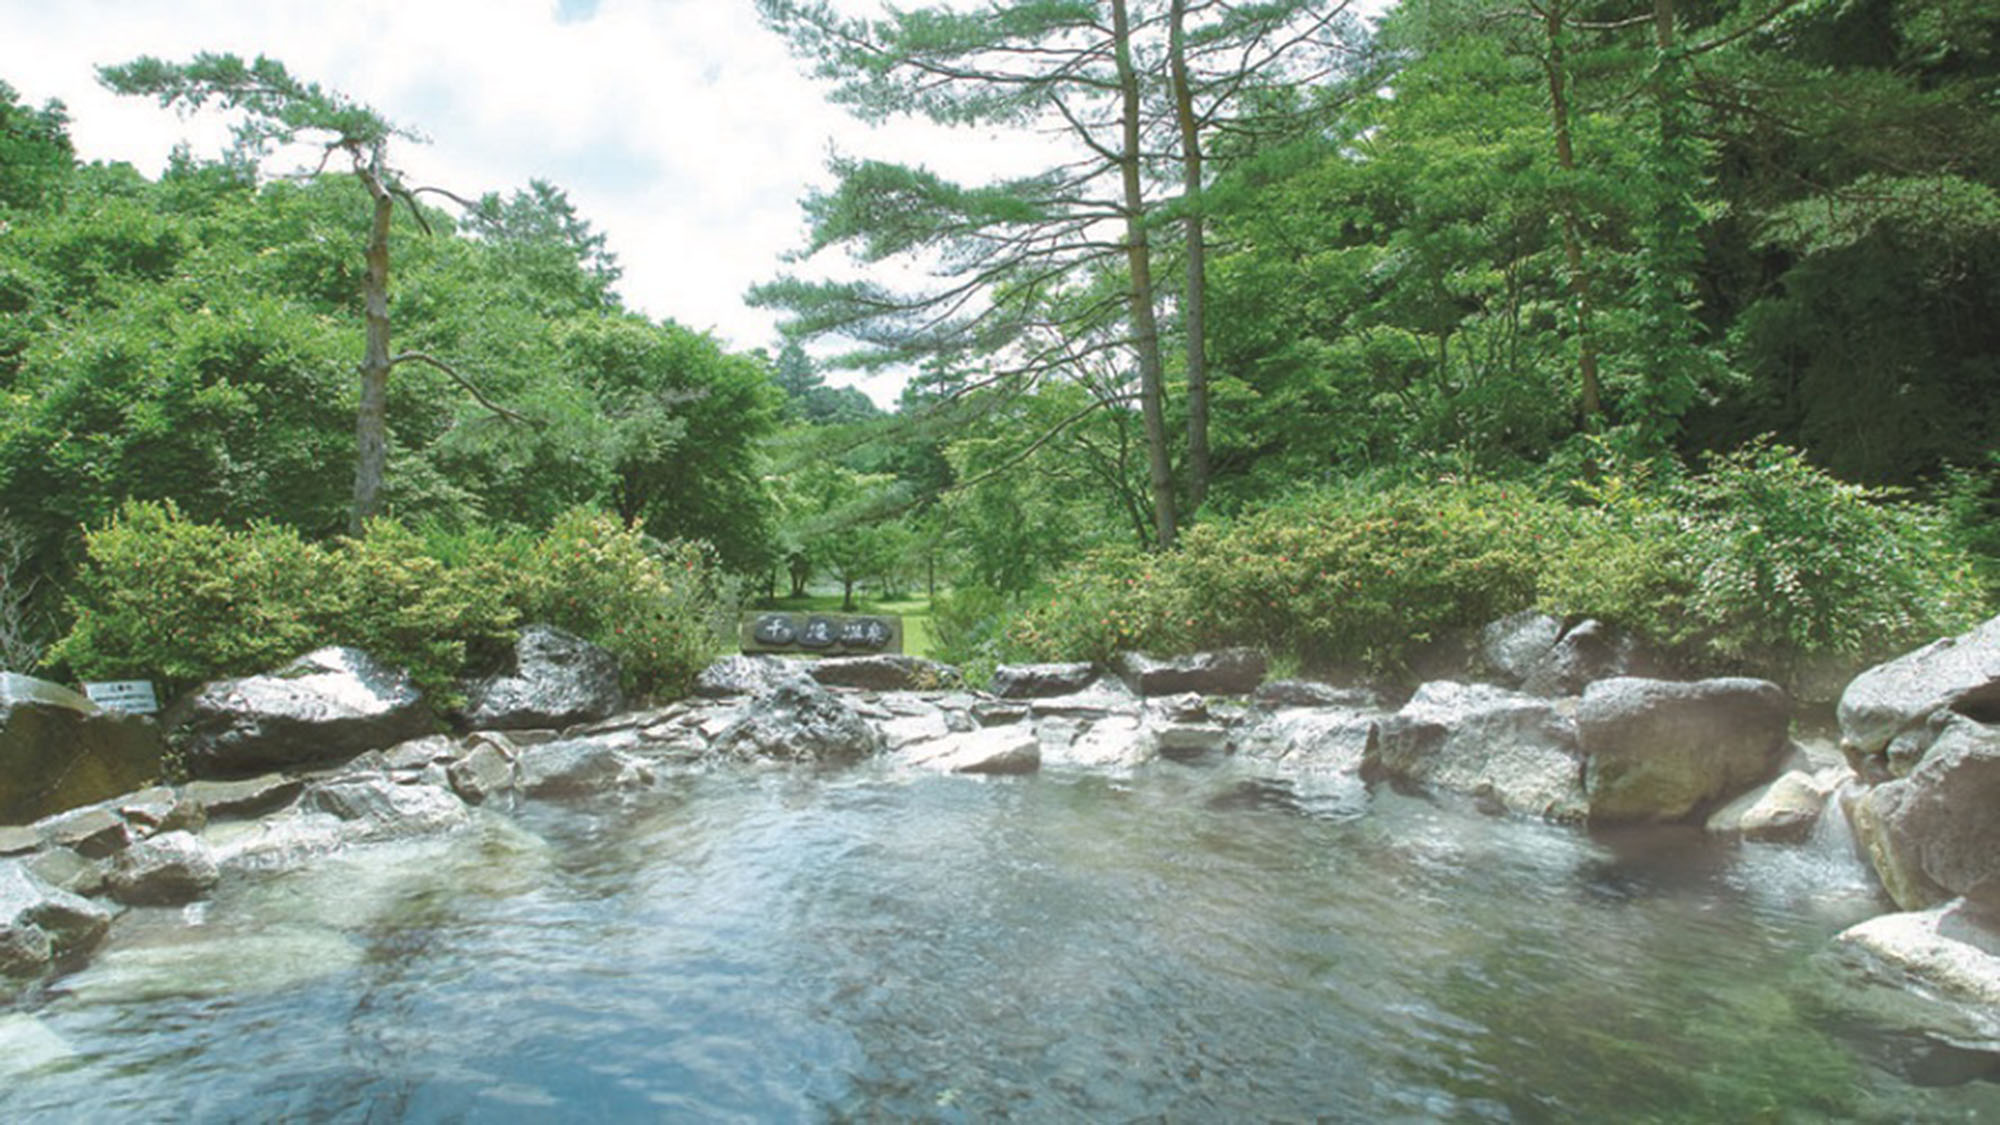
<point x="681" y="128"/>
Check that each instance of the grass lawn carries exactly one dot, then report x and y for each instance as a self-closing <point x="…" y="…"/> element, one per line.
<point x="915" y="611"/>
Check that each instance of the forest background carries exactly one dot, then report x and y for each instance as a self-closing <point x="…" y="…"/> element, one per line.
<point x="1329" y="337"/>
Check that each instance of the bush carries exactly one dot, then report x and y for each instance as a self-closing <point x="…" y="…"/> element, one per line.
<point x="969" y="631"/>
<point x="406" y="607"/>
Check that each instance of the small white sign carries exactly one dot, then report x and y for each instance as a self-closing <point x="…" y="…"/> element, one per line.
<point x="131" y="696"/>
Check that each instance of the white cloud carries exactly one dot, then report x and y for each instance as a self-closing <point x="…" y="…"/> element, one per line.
<point x="681" y="128"/>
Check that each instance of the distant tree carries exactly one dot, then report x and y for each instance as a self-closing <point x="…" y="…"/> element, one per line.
<point x="281" y="109"/>
<point x="36" y="157"/>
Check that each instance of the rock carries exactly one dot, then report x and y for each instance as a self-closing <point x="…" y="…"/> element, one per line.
<point x="250" y="797"/>
<point x="1511" y="749"/>
<point x="1187" y="707"/>
<point x="1117" y="742"/>
<point x="1102" y="699"/>
<point x="1307" y="693"/>
<point x="65" y="869"/>
<point x="1659" y="750"/>
<point x="799" y="724"/>
<point x="998" y="713"/>
<point x="1782" y="812"/>
<point x="486" y="769"/>
<point x="571" y="767"/>
<point x="95" y="831"/>
<point x="1589" y="651"/>
<point x="1927" y="983"/>
<point x="326" y="706"/>
<point x="995" y="750"/>
<point x="553" y="679"/>
<point x="1936" y="833"/>
<point x="1234" y="671"/>
<point x="375" y="809"/>
<point x="417" y="753"/>
<point x="18" y="839"/>
<point x="900" y="732"/>
<point x="883" y="672"/>
<point x="748" y="675"/>
<point x="27" y="1045"/>
<point x="1187" y="742"/>
<point x="40" y="923"/>
<point x="167" y="870"/>
<point x="1318" y="738"/>
<point x="1514" y="646"/>
<point x="160" y="809"/>
<point x="1896" y="702"/>
<point x="1034" y="681"/>
<point x="58" y="750"/>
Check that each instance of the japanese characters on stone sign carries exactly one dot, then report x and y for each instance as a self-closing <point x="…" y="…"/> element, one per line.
<point x="824" y="634"/>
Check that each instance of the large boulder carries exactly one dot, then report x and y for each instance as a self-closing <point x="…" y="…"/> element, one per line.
<point x="554" y="679"/>
<point x="374" y="809"/>
<point x="1512" y="647"/>
<point x="58" y="750"/>
<point x="1936" y="833"/>
<point x="1312" y="738"/>
<point x="1037" y="681"/>
<point x="572" y="767"/>
<point x="1585" y="653"/>
<point x="993" y="750"/>
<point x="799" y="723"/>
<point x="748" y="675"/>
<point x="1233" y="671"/>
<point x="1516" y="751"/>
<point x="40" y="924"/>
<point x="1894" y="711"/>
<point x="328" y="705"/>
<point x="1926" y="985"/>
<point x="1661" y="750"/>
<point x="884" y="672"/>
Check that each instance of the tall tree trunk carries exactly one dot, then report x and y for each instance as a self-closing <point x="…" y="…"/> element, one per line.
<point x="371" y="426"/>
<point x="1139" y="260"/>
<point x="1556" y="66"/>
<point x="1195" y="304"/>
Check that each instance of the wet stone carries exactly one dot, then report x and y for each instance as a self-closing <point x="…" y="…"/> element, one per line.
<point x="250" y="797"/>
<point x="95" y="831"/>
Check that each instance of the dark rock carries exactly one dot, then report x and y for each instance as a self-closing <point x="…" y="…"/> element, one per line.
<point x="1936" y="833"/>
<point x="1514" y="646"/>
<point x="1660" y="750"/>
<point x="1308" y="693"/>
<point x="326" y="706"/>
<point x="167" y="870"/>
<point x="554" y="679"/>
<point x="1515" y="750"/>
<point x="1589" y="651"/>
<point x="253" y="796"/>
<point x="1897" y="708"/>
<point x="748" y="675"/>
<point x="884" y="672"/>
<point x="95" y="831"/>
<point x="59" y="751"/>
<point x="1034" y="681"/>
<point x="573" y="766"/>
<point x="995" y="750"/>
<point x="803" y="724"/>
<point x="1234" y="671"/>
<point x="38" y="919"/>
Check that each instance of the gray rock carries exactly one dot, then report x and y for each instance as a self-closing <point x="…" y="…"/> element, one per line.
<point x="1901" y="700"/>
<point x="1508" y="748"/>
<point x="326" y="706"/>
<point x="884" y="672"/>
<point x="40" y="923"/>
<point x="59" y="751"/>
<point x="95" y="831"/>
<point x="1234" y="671"/>
<point x="167" y="870"/>
<point x="375" y="809"/>
<point x="1034" y="681"/>
<point x="900" y="732"/>
<point x="486" y="769"/>
<point x="1102" y="699"/>
<point x="65" y="869"/>
<point x="1187" y="707"/>
<point x="1116" y="742"/>
<point x="417" y="753"/>
<point x="995" y="750"/>
<point x="997" y="713"/>
<point x="1514" y="646"/>
<point x="1187" y="742"/>
<point x="253" y="796"/>
<point x="1936" y="833"/>
<point x="1784" y="811"/>
<point x="1660" y="750"/>
<point x="572" y="767"/>
<point x="799" y="724"/>
<point x="748" y="675"/>
<point x="1589" y="651"/>
<point x="1315" y="738"/>
<point x="18" y="839"/>
<point x="1927" y="982"/>
<point x="1308" y="693"/>
<point x="553" y="679"/>
<point x="160" y="809"/>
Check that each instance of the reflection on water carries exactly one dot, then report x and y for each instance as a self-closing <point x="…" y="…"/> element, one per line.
<point x="1185" y="945"/>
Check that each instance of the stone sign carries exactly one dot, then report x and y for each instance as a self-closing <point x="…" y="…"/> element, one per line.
<point x="822" y="634"/>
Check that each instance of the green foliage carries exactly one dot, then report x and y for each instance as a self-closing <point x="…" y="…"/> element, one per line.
<point x="656" y="606"/>
<point x="410" y="609"/>
<point x="36" y="157"/>
<point x="1764" y="560"/>
<point x="1113" y="599"/>
<point x="969" y="627"/>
